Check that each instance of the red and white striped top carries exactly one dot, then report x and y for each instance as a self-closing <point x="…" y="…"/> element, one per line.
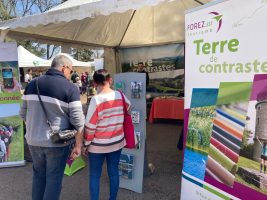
<point x="103" y="129"/>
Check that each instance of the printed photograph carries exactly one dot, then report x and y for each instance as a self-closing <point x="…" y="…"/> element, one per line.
<point x="136" y="89"/>
<point x="198" y="140"/>
<point x="138" y="137"/>
<point x="164" y="64"/>
<point x="135" y="116"/>
<point x="126" y="165"/>
<point x="252" y="163"/>
<point x="11" y="133"/>
<point x="9" y="77"/>
<point x="201" y="114"/>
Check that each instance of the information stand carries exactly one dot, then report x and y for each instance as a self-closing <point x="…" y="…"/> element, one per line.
<point x="131" y="166"/>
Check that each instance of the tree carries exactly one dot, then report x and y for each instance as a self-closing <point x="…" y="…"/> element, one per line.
<point x="14" y="8"/>
<point x="82" y="54"/>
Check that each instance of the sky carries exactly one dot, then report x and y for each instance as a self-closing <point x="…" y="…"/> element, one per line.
<point x="7" y="110"/>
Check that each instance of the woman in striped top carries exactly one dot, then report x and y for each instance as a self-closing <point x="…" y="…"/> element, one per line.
<point x="103" y="133"/>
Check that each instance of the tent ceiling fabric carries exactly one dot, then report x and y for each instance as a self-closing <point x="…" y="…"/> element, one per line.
<point x="103" y="23"/>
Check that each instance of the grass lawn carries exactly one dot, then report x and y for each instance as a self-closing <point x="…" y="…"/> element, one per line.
<point x="17" y="146"/>
<point x="247" y="163"/>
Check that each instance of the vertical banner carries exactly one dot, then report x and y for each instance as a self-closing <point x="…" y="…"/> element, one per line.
<point x="11" y="128"/>
<point x="164" y="64"/>
<point x="225" y="100"/>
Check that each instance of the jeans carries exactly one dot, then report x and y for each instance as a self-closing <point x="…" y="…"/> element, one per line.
<point x="95" y="169"/>
<point x="48" y="170"/>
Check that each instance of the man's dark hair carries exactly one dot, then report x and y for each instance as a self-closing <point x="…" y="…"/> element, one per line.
<point x="29" y="70"/>
<point x="100" y="76"/>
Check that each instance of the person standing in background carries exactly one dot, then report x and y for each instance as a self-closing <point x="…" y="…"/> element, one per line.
<point x="142" y="70"/>
<point x="74" y="75"/>
<point x="28" y="76"/>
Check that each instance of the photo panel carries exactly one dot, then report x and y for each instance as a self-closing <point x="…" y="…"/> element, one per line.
<point x="199" y="130"/>
<point x="11" y="133"/>
<point x="251" y="165"/>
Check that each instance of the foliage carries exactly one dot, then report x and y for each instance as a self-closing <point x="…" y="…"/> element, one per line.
<point x="247" y="151"/>
<point x="4" y="13"/>
<point x="246" y="147"/>
<point x="16" y="146"/>
<point x="14" y="121"/>
<point x="200" y="127"/>
<point x="246" y="136"/>
<point x="15" y="8"/>
<point x="35" y="48"/>
<point x="82" y="54"/>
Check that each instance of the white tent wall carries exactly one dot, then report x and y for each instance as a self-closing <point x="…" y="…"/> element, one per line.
<point x="27" y="59"/>
<point x="106" y="23"/>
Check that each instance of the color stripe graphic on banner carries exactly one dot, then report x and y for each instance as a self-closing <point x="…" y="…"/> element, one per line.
<point x="226" y="139"/>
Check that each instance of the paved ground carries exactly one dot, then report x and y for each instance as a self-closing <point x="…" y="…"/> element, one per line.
<point x="164" y="184"/>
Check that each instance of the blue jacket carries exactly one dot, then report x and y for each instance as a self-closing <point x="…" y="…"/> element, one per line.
<point x="61" y="99"/>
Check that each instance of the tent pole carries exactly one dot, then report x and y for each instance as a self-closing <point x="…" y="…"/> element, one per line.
<point x="127" y="28"/>
<point x="199" y="2"/>
<point x="116" y="49"/>
<point x="3" y="35"/>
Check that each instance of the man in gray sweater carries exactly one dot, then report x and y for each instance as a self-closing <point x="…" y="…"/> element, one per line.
<point x="61" y="100"/>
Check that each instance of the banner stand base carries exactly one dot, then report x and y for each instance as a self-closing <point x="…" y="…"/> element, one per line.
<point x="13" y="164"/>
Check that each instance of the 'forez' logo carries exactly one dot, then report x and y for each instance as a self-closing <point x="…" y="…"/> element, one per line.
<point x="218" y="18"/>
<point x="201" y="27"/>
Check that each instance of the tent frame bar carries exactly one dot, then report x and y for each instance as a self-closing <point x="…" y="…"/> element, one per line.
<point x="130" y="21"/>
<point x="199" y="2"/>
<point x="29" y="36"/>
<point x="150" y="45"/>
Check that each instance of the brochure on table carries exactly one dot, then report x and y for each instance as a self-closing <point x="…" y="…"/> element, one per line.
<point x="11" y="127"/>
<point x="131" y="166"/>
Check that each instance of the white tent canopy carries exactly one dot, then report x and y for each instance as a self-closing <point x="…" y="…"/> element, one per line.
<point x="77" y="63"/>
<point x="27" y="59"/>
<point x="108" y="23"/>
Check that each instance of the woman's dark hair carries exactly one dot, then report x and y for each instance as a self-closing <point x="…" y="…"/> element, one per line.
<point x="100" y="76"/>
